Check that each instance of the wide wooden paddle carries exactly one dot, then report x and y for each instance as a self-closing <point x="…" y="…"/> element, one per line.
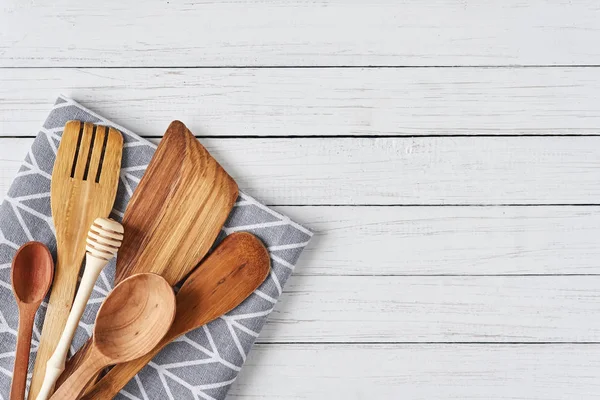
<point x="226" y="278"/>
<point x="84" y="186"/>
<point x="175" y="214"/>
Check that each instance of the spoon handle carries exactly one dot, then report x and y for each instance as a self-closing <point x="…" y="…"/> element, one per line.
<point x="116" y="379"/>
<point x="74" y="386"/>
<point x="56" y="364"/>
<point x="26" y="320"/>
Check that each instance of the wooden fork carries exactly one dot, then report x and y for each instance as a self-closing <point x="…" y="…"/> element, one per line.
<point x="84" y="186"/>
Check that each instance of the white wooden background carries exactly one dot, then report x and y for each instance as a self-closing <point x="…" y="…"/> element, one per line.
<point x="446" y="152"/>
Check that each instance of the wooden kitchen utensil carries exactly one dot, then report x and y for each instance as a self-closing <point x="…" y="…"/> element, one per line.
<point x="174" y="215"/>
<point x="132" y="320"/>
<point x="31" y="277"/>
<point x="84" y="186"/>
<point x="103" y="242"/>
<point x="226" y="278"/>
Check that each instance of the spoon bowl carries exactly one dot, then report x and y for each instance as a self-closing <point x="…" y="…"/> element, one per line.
<point x="133" y="316"/>
<point x="32" y="273"/>
<point x="133" y="319"/>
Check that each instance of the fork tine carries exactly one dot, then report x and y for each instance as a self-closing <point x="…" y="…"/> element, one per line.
<point x="67" y="149"/>
<point x="97" y="152"/>
<point x="84" y="151"/>
<point x="111" y="159"/>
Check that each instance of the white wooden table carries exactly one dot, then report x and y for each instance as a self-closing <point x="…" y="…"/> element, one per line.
<point x="445" y="152"/>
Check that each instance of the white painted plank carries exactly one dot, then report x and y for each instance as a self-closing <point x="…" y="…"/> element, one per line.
<point x="419" y="372"/>
<point x="430" y="240"/>
<point x="437" y="309"/>
<point x="277" y="32"/>
<point x="439" y="170"/>
<point x="307" y="102"/>
<point x="449" y="240"/>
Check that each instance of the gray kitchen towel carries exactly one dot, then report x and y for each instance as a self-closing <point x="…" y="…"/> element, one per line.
<point x="200" y="365"/>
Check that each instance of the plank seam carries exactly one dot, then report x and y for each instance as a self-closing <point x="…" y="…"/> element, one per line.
<point x="399" y="136"/>
<point x="440" y="205"/>
<point x="413" y="343"/>
<point x="361" y="66"/>
<point x="400" y="275"/>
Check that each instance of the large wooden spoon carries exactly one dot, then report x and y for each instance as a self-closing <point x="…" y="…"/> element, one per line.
<point x="226" y="278"/>
<point x="31" y="276"/>
<point x="175" y="214"/>
<point x="132" y="320"/>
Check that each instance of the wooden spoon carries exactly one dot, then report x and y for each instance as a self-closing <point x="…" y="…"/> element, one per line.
<point x="84" y="186"/>
<point x="174" y="215"/>
<point x="132" y="320"/>
<point x="31" y="276"/>
<point x="103" y="242"/>
<point x="226" y="278"/>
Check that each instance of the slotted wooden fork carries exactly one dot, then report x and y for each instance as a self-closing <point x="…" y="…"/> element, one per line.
<point x="84" y="186"/>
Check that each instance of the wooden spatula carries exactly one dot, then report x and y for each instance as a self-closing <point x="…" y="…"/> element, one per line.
<point x="175" y="214"/>
<point x="84" y="187"/>
<point x="226" y="278"/>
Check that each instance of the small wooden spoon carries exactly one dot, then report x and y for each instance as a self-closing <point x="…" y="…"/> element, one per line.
<point x="31" y="276"/>
<point x="132" y="320"/>
<point x="226" y="278"/>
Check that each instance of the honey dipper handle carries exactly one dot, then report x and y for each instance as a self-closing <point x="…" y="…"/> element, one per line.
<point x="61" y="299"/>
<point x="56" y="364"/>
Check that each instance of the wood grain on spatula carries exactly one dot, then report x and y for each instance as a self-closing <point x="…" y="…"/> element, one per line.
<point x="84" y="186"/>
<point x="175" y="213"/>
<point x="226" y="278"/>
<point x="172" y="237"/>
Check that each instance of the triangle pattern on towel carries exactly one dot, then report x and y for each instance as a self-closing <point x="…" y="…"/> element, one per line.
<point x="202" y="364"/>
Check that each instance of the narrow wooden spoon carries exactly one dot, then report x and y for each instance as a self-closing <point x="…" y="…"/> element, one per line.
<point x="132" y="320"/>
<point x="226" y="278"/>
<point x="31" y="276"/>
